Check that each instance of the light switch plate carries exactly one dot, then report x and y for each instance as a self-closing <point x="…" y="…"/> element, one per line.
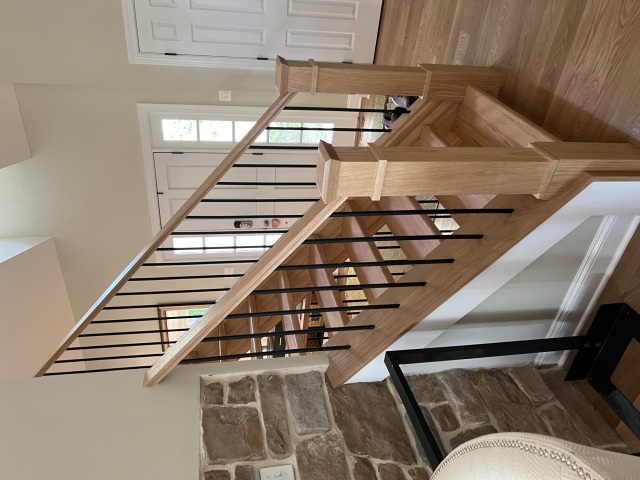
<point x="281" y="472"/>
<point x="224" y="95"/>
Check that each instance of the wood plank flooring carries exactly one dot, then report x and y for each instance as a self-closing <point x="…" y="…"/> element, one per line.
<point x="571" y="66"/>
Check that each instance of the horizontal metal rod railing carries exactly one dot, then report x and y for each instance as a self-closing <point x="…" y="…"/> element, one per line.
<point x="340" y="109"/>
<point x="332" y="129"/>
<point x="235" y="337"/>
<point x="274" y="313"/>
<point x="262" y="354"/>
<point x="391" y="238"/>
<point x="382" y="263"/>
<point x="281" y="290"/>
<point x="380" y="213"/>
<point x="209" y="359"/>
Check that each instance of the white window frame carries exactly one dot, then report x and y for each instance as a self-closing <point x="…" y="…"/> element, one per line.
<point x="150" y="118"/>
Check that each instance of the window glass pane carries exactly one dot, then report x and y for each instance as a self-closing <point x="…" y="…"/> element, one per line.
<point x="216" y="131"/>
<point x="284" y="136"/>
<point x="214" y="244"/>
<point x="188" y="243"/>
<point x="242" y="128"/>
<point x="271" y="238"/>
<point x="314" y="136"/>
<point x="256" y="241"/>
<point x="179" y="130"/>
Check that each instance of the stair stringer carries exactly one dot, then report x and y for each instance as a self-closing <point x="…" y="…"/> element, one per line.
<point x="471" y="257"/>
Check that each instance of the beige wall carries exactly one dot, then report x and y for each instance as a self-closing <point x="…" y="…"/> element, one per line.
<point x="32" y="324"/>
<point x="105" y="426"/>
<point x="85" y="184"/>
<point x="14" y="146"/>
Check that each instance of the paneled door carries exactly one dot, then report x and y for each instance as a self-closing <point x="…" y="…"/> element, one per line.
<point x="257" y="191"/>
<point x="325" y="30"/>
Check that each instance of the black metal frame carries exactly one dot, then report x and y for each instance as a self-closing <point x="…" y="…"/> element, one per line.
<point x="599" y="352"/>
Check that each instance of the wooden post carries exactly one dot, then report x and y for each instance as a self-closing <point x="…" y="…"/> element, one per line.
<point x="436" y="82"/>
<point x="410" y="171"/>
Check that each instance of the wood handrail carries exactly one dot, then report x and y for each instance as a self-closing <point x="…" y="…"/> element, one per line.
<point x="232" y="157"/>
<point x="259" y="272"/>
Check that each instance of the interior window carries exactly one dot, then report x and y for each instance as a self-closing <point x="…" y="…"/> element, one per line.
<point x="179" y="130"/>
<point x="216" y="130"/>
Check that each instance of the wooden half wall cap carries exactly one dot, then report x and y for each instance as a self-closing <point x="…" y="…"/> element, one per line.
<point x="376" y="191"/>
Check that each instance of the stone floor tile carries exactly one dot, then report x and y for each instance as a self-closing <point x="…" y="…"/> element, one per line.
<point x="305" y="393"/>
<point x="389" y="471"/>
<point x="243" y="472"/>
<point x="232" y="434"/>
<point x="470" y="434"/>
<point x="509" y="415"/>
<point x="213" y="394"/>
<point x="561" y="426"/>
<point x="322" y="458"/>
<point x="217" y="475"/>
<point x="463" y="397"/>
<point x="242" y="391"/>
<point x="363" y="470"/>
<point x="274" y="415"/>
<point x="426" y="388"/>
<point x="582" y="413"/>
<point x="445" y="418"/>
<point x="419" y="474"/>
<point x="370" y="422"/>
<point x="531" y="383"/>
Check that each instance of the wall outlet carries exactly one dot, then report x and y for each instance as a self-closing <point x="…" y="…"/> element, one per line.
<point x="229" y="271"/>
<point x="281" y="472"/>
<point x="224" y="95"/>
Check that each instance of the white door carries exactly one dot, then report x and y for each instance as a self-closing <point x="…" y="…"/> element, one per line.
<point x="324" y="30"/>
<point x="248" y="198"/>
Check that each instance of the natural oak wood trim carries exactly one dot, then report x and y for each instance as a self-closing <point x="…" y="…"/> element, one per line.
<point x="290" y="321"/>
<point x="354" y="227"/>
<point x="503" y="124"/>
<point x="449" y="82"/>
<point x="326" y="298"/>
<point x="414" y="171"/>
<point x="409" y="225"/>
<point x="314" y="76"/>
<point x="258" y="273"/>
<point x="376" y="191"/>
<point x="576" y="157"/>
<point x="501" y="232"/>
<point x="232" y="157"/>
<point x="255" y="345"/>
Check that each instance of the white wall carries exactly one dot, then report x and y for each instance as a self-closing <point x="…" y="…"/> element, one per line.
<point x="35" y="314"/>
<point x="77" y="93"/>
<point x="106" y="426"/>
<point x="14" y="146"/>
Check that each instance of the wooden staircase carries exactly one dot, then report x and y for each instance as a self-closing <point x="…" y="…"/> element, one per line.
<point x="498" y="175"/>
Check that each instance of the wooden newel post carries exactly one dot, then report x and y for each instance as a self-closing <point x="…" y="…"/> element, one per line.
<point x="543" y="170"/>
<point x="438" y="82"/>
<point x="398" y="171"/>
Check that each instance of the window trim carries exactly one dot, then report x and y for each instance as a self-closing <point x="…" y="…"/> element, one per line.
<point x="147" y="110"/>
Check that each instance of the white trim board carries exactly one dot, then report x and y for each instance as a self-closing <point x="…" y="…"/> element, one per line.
<point x="598" y="199"/>
<point x="146" y="111"/>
